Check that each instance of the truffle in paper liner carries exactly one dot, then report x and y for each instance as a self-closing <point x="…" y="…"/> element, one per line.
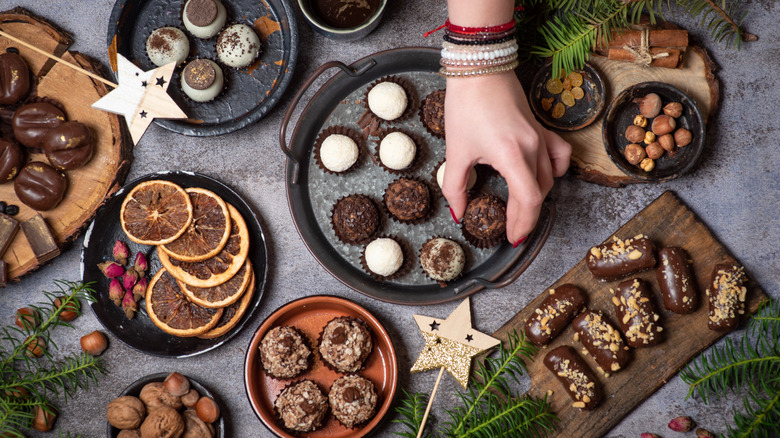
<point x="432" y="113"/>
<point x="406" y="264"/>
<point x="488" y="241"/>
<point x="278" y="415"/>
<point x="359" y="362"/>
<point x="478" y="182"/>
<point x="252" y="64"/>
<point x="340" y="130"/>
<point x="309" y="359"/>
<point x="365" y="222"/>
<point x="420" y="152"/>
<point x="411" y="99"/>
<point x="466" y="262"/>
<point x="178" y="78"/>
<point x="211" y="38"/>
<point x="180" y="65"/>
<point x="332" y="401"/>
<point x="427" y="208"/>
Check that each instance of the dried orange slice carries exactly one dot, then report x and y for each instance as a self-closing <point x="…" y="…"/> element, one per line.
<point x="171" y="310"/>
<point x="232" y="314"/>
<point x="155" y="212"/>
<point x="218" y="269"/>
<point x="222" y="295"/>
<point x="208" y="232"/>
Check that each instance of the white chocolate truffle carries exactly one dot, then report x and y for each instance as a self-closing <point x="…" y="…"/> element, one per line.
<point x="238" y="46"/>
<point x="204" y="18"/>
<point x="338" y="152"/>
<point x="202" y="80"/>
<point x="442" y="259"/>
<point x="384" y="256"/>
<point x="397" y="150"/>
<point x="469" y="184"/>
<point x="387" y="100"/>
<point x="166" y="45"/>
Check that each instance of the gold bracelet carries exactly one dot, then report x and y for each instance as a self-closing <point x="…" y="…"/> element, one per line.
<point x="478" y="72"/>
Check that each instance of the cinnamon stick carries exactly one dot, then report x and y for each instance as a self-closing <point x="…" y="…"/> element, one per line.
<point x="674" y="60"/>
<point x="674" y="38"/>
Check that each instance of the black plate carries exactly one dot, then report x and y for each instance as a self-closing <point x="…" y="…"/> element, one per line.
<point x="140" y="333"/>
<point x="135" y="389"/>
<point x="584" y="112"/>
<point x="620" y="114"/>
<point x="247" y="96"/>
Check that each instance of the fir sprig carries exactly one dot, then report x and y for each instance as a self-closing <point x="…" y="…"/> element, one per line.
<point x="717" y="18"/>
<point x="411" y="410"/>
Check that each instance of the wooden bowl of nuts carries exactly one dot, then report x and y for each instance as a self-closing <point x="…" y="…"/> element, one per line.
<point x="567" y="102"/>
<point x="653" y="131"/>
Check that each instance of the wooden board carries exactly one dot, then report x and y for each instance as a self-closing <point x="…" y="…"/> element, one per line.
<point x="668" y="222"/>
<point x="88" y="186"/>
<point x="696" y="78"/>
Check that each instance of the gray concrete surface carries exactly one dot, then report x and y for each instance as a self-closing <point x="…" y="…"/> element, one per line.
<point x="735" y="189"/>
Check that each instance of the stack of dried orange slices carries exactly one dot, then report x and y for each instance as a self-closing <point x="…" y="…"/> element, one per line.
<point x="207" y="281"/>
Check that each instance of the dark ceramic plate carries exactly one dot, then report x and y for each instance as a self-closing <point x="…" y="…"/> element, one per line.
<point x="249" y="93"/>
<point x="585" y="110"/>
<point x="135" y="389"/>
<point x="620" y="115"/>
<point x="140" y="333"/>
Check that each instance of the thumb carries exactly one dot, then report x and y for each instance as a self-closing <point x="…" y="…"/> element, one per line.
<point x="456" y="176"/>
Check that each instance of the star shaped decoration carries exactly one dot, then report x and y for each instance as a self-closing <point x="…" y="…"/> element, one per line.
<point x="136" y="101"/>
<point x="446" y="347"/>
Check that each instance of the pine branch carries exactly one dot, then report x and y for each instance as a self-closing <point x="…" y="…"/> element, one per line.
<point x="762" y="412"/>
<point x="767" y="319"/>
<point x="411" y="409"/>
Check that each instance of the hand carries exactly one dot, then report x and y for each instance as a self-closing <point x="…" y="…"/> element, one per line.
<point x="488" y="121"/>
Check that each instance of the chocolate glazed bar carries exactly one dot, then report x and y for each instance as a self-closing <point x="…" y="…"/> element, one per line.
<point x="554" y="314"/>
<point x="636" y="313"/>
<point x="677" y="284"/>
<point x="619" y="258"/>
<point x="726" y="292"/>
<point x="602" y="340"/>
<point x="575" y="376"/>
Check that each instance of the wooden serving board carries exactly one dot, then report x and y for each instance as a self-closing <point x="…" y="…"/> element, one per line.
<point x="589" y="159"/>
<point x="88" y="186"/>
<point x="668" y="222"/>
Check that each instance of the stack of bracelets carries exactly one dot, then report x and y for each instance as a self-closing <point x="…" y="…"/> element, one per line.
<point x="476" y="51"/>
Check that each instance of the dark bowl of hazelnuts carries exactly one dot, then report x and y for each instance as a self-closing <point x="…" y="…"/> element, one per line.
<point x="653" y="131"/>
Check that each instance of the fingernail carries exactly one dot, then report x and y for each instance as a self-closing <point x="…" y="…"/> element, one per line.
<point x="519" y="242"/>
<point x="452" y="212"/>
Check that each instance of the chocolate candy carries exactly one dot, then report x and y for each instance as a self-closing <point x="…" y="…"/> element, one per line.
<point x="677" y="284"/>
<point x="614" y="260"/>
<point x="726" y="292"/>
<point x="32" y="121"/>
<point x="40" y="186"/>
<point x="636" y="313"/>
<point x="11" y="159"/>
<point x="41" y="240"/>
<point x="69" y="145"/>
<point x="8" y="228"/>
<point x="555" y="312"/>
<point x="602" y="340"/>
<point x="575" y="376"/>
<point x="14" y="78"/>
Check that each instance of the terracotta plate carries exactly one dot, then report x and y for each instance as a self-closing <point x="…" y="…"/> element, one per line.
<point x="310" y="315"/>
<point x="585" y="110"/>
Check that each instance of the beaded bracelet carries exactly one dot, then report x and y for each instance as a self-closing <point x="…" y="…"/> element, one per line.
<point x="478" y="37"/>
<point x="456" y="48"/>
<point x="479" y="55"/>
<point x="477" y="42"/>
<point x="479" y="72"/>
<point x="481" y="63"/>
<point x="479" y="30"/>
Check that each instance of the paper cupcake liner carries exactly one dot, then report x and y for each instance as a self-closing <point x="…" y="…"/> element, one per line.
<point x="342" y="130"/>
<point x="425" y="120"/>
<point x="310" y="360"/>
<point x="380" y="210"/>
<point x="431" y="203"/>
<point x="178" y="74"/>
<point x="420" y="154"/>
<point x="406" y="265"/>
<point x="214" y="37"/>
<point x="474" y="240"/>
<point x="278" y="417"/>
<point x="361" y="424"/>
<point x="332" y="367"/>
<point x="466" y="263"/>
<point x="411" y="99"/>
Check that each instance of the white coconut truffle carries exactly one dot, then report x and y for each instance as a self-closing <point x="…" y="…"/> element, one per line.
<point x="442" y="259"/>
<point x="204" y="18"/>
<point x="238" y="46"/>
<point x="387" y="100"/>
<point x="384" y="256"/>
<point x="338" y="152"/>
<point x="202" y="80"/>
<point x="469" y="185"/>
<point x="166" y="45"/>
<point x="397" y="150"/>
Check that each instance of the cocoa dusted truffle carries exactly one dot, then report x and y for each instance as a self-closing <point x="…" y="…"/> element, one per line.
<point x="352" y="400"/>
<point x="355" y="219"/>
<point x="442" y="259"/>
<point x="345" y="344"/>
<point x="14" y="78"/>
<point x="302" y="406"/>
<point x="69" y="145"/>
<point x="408" y="200"/>
<point x="31" y="122"/>
<point x="284" y="352"/>
<point x="166" y="45"/>
<point x="202" y="80"/>
<point x="238" y="46"/>
<point x="40" y="186"/>
<point x="485" y="220"/>
<point x="11" y="159"/>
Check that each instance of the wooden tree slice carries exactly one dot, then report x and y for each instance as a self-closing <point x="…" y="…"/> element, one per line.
<point x="589" y="158"/>
<point x="88" y="186"/>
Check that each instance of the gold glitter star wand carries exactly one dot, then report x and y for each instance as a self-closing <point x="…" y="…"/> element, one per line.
<point x="450" y="344"/>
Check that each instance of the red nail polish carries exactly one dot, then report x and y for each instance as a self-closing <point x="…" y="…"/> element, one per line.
<point x="453" y="216"/>
<point x="519" y="242"/>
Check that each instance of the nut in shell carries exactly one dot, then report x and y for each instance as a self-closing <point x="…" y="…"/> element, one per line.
<point x="648" y="164"/>
<point x="189" y="399"/>
<point x="154" y="395"/>
<point x="673" y="109"/>
<point x="177" y="384"/>
<point x="163" y="422"/>
<point x="667" y="142"/>
<point x="682" y="137"/>
<point x="634" y="153"/>
<point x="654" y="150"/>
<point x="635" y="134"/>
<point x="663" y="124"/>
<point x="650" y="105"/>
<point x="207" y="409"/>
<point x="126" y="412"/>
<point x="194" y="427"/>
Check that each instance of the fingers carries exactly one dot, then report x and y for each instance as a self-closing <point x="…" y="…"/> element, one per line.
<point x="559" y="152"/>
<point x="456" y="177"/>
<point x="525" y="195"/>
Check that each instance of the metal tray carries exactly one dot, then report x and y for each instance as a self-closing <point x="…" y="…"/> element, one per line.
<point x="310" y="191"/>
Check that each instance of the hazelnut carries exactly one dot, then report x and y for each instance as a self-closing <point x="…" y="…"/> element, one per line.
<point x="44" y="420"/>
<point x="69" y="311"/>
<point x="189" y="399"/>
<point x="654" y="150"/>
<point x="36" y="346"/>
<point x="27" y="318"/>
<point x="176" y="384"/>
<point x="126" y="412"/>
<point x="155" y="395"/>
<point x="650" y="105"/>
<point x="163" y="422"/>
<point x="634" y="153"/>
<point x="667" y="142"/>
<point x="635" y="134"/>
<point x="94" y="343"/>
<point x="647" y="164"/>
<point x="194" y="427"/>
<point x="640" y="121"/>
<point x="649" y="137"/>
<point x="207" y="410"/>
<point x="673" y="109"/>
<point x="663" y="124"/>
<point x="682" y="137"/>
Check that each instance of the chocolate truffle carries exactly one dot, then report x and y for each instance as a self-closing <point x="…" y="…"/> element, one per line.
<point x="14" y="78"/>
<point x="352" y="400"/>
<point x="302" y="406"/>
<point x="485" y="219"/>
<point x="202" y="80"/>
<point x="397" y="151"/>
<point x="238" y="46"/>
<point x="387" y="100"/>
<point x="40" y="186"/>
<point x="408" y="200"/>
<point x="355" y="219"/>
<point x="440" y="176"/>
<point x="166" y="45"/>
<point x="204" y="18"/>
<point x="11" y="159"/>
<point x="284" y="352"/>
<point x="338" y="152"/>
<point x="31" y="122"/>
<point x="384" y="256"/>
<point x="345" y="344"/>
<point x="442" y="259"/>
<point x="432" y="113"/>
<point x="69" y="145"/>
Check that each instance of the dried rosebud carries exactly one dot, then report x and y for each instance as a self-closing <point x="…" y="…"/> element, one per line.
<point x="681" y="424"/>
<point x="649" y="435"/>
<point x="141" y="265"/>
<point x="129" y="279"/>
<point x="111" y="269"/>
<point x="115" y="292"/>
<point x="121" y="252"/>
<point x="139" y="290"/>
<point x="704" y="433"/>
<point x="129" y="305"/>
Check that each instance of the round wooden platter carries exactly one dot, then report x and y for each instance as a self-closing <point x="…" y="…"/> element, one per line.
<point x="90" y="185"/>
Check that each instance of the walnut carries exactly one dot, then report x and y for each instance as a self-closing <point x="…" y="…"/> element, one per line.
<point x="194" y="427"/>
<point x="126" y="412"/>
<point x="154" y="395"/>
<point x="163" y="422"/>
<point x="134" y="433"/>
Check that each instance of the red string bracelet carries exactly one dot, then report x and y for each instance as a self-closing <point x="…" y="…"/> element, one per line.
<point x="476" y="30"/>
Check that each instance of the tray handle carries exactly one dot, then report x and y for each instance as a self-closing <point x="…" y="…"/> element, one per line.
<point x="349" y="71"/>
